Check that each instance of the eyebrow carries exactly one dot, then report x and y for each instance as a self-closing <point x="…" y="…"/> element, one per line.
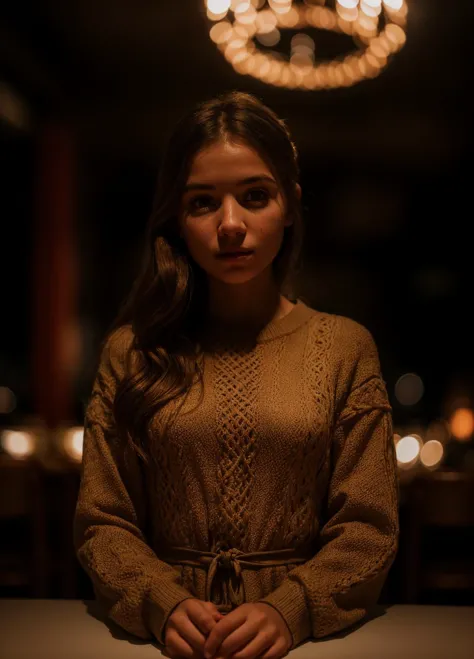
<point x="251" y="179"/>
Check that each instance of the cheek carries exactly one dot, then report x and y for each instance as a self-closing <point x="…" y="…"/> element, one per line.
<point x="272" y="224"/>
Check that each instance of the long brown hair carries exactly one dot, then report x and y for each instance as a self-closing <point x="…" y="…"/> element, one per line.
<point x="167" y="299"/>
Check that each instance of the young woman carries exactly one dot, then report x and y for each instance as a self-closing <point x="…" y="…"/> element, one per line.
<point x="239" y="491"/>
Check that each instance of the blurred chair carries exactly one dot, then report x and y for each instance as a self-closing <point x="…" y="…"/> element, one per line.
<point x="438" y="501"/>
<point x="24" y="562"/>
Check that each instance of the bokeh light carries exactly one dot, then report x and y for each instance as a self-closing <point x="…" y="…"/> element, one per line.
<point x="461" y="424"/>
<point x="408" y="450"/>
<point x="409" y="389"/>
<point x="431" y="454"/>
<point x="73" y="440"/>
<point x="18" y="444"/>
<point x="375" y="40"/>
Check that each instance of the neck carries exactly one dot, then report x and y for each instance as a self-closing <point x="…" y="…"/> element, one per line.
<point x="251" y="305"/>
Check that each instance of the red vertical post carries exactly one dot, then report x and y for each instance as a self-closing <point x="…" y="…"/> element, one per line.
<point x="54" y="345"/>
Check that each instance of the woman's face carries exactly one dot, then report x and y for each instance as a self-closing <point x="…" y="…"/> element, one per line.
<point x="232" y="201"/>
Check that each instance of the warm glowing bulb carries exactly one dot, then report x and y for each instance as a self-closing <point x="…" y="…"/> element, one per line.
<point x="73" y="443"/>
<point x="462" y="423"/>
<point x="393" y="4"/>
<point x="407" y="449"/>
<point x="280" y="6"/>
<point x="266" y="21"/>
<point x="218" y="6"/>
<point x="221" y="32"/>
<point x="258" y="20"/>
<point x="348" y="14"/>
<point x="18" y="444"/>
<point x="369" y="10"/>
<point x="348" y="4"/>
<point x="395" y="34"/>
<point x="269" y="38"/>
<point x="431" y="454"/>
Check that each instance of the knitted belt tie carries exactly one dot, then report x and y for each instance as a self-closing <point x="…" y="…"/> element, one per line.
<point x="232" y="561"/>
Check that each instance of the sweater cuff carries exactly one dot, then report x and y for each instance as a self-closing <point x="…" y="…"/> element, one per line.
<point x="162" y="600"/>
<point x="289" y="600"/>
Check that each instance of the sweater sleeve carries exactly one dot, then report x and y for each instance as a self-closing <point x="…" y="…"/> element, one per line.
<point x="135" y="589"/>
<point x="358" y="538"/>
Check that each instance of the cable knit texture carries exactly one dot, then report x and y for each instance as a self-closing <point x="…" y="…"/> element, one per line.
<point x="287" y="445"/>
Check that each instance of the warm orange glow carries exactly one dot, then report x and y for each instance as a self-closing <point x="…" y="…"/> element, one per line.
<point x="302" y="43"/>
<point x="280" y="6"/>
<point x="265" y="21"/>
<point x="18" y="444"/>
<point x="221" y="32"/>
<point x="370" y="10"/>
<point x="431" y="454"/>
<point x="462" y="424"/>
<point x="395" y="34"/>
<point x="73" y="441"/>
<point x="348" y="14"/>
<point x="367" y="24"/>
<point x="301" y="60"/>
<point x="375" y="41"/>
<point x="241" y="6"/>
<point x="239" y="57"/>
<point x="248" y="17"/>
<point x="289" y="19"/>
<point x="269" y="38"/>
<point x="380" y="51"/>
<point x="323" y="18"/>
<point x="263" y="68"/>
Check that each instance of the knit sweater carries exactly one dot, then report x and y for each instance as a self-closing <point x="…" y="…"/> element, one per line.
<point x="276" y="482"/>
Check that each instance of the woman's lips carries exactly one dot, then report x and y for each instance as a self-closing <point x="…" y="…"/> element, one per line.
<point x="237" y="256"/>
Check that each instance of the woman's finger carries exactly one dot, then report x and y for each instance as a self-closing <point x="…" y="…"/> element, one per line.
<point x="178" y="648"/>
<point x="255" y="648"/>
<point x="191" y="634"/>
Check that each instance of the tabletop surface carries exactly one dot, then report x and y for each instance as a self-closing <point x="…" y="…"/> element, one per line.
<point x="74" y="629"/>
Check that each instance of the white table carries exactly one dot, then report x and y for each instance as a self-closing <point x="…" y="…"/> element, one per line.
<point x="70" y="629"/>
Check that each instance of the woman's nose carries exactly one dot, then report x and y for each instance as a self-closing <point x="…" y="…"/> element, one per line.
<point x="231" y="214"/>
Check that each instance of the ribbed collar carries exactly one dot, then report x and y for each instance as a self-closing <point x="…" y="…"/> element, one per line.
<point x="298" y="315"/>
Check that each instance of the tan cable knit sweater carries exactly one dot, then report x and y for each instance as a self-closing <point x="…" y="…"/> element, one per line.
<point x="277" y="483"/>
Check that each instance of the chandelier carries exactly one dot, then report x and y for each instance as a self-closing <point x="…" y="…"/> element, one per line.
<point x="247" y="31"/>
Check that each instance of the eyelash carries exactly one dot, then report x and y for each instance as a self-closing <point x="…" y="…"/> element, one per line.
<point x="192" y="207"/>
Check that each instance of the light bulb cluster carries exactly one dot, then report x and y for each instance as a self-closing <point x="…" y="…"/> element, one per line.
<point x="246" y="31"/>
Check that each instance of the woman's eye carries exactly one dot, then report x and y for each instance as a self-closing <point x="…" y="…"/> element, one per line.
<point x="201" y="203"/>
<point x="205" y="203"/>
<point x="259" y="197"/>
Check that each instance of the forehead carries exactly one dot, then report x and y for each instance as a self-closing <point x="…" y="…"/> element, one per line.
<point x="225" y="162"/>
